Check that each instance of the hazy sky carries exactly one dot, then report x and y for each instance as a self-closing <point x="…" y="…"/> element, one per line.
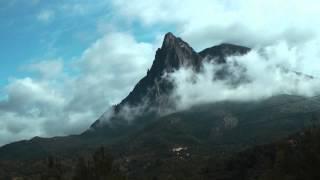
<point x="64" y="62"/>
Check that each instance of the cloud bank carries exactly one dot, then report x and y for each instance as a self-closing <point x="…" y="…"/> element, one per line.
<point x="204" y="23"/>
<point x="59" y="102"/>
<point x="262" y="73"/>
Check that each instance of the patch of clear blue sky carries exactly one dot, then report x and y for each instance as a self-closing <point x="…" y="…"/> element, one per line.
<point x="24" y="39"/>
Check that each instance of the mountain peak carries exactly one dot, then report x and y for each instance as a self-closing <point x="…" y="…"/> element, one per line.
<point x="219" y="52"/>
<point x="169" y="39"/>
<point x="169" y="35"/>
<point x="174" y="54"/>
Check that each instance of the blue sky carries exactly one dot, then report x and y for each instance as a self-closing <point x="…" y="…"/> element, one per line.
<point x="32" y="31"/>
<point x="63" y="63"/>
<point x="54" y="59"/>
<point x="25" y="37"/>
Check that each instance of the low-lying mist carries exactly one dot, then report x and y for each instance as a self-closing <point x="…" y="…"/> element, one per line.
<point x="261" y="73"/>
<point x="258" y="75"/>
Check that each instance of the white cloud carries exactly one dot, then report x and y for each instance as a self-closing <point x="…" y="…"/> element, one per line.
<point x="46" y="16"/>
<point x="204" y="23"/>
<point x="55" y="103"/>
<point x="119" y="60"/>
<point x="257" y="75"/>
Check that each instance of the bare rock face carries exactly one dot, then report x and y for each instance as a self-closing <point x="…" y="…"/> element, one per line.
<point x="220" y="52"/>
<point x="173" y="54"/>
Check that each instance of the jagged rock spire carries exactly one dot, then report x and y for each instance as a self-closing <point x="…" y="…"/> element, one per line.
<point x="173" y="54"/>
<point x="169" y="39"/>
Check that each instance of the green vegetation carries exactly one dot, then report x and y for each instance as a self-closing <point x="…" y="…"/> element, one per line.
<point x="227" y="140"/>
<point x="98" y="166"/>
<point x="296" y="158"/>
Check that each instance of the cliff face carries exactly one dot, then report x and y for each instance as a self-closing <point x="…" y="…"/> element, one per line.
<point x="173" y="54"/>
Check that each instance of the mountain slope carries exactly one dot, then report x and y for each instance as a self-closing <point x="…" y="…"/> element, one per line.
<point x="221" y="126"/>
